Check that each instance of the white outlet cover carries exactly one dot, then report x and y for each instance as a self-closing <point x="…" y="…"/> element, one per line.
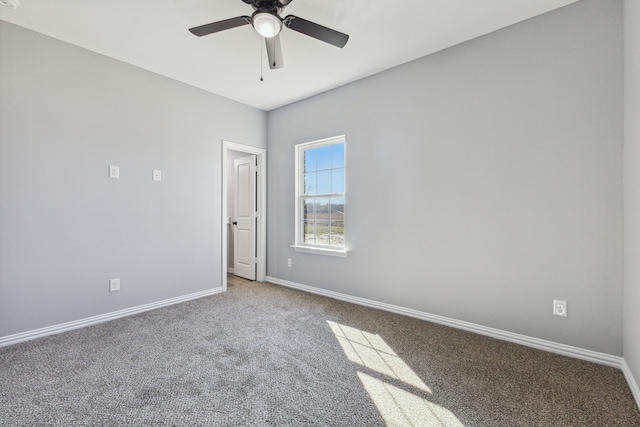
<point x="157" y="175"/>
<point x="559" y="308"/>
<point x="114" y="285"/>
<point x="114" y="171"/>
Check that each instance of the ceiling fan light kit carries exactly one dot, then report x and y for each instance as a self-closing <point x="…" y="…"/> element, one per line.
<point x="267" y="22"/>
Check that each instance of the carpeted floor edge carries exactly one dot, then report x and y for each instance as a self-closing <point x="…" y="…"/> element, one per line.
<point x="552" y="347"/>
<point x="94" y="320"/>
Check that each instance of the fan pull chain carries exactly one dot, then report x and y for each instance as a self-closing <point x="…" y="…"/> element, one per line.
<point x="276" y="45"/>
<point x="261" y="59"/>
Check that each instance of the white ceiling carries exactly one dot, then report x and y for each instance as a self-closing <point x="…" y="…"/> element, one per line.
<point x="152" y="34"/>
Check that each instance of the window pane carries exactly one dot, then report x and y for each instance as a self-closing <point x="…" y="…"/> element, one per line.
<point x="324" y="157"/>
<point x="337" y="180"/>
<point x="337" y="155"/>
<point x="337" y="209"/>
<point x="308" y="234"/>
<point x="337" y="233"/>
<point x="323" y="182"/>
<point x="322" y="208"/>
<point x="308" y="209"/>
<point x="310" y="183"/>
<point x="321" y="174"/>
<point x="322" y="233"/>
<point x="310" y="160"/>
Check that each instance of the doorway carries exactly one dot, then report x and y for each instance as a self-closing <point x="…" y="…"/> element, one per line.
<point x="230" y="152"/>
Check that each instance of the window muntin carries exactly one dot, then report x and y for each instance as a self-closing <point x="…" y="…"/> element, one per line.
<point x="320" y="195"/>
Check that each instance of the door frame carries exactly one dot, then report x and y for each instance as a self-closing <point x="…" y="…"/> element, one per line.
<point x="261" y="206"/>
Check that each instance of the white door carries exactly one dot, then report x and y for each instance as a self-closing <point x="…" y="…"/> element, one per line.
<point x="244" y="224"/>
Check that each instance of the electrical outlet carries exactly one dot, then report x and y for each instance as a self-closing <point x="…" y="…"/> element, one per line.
<point x="157" y="175"/>
<point x="559" y="308"/>
<point x="114" y="285"/>
<point x="289" y="262"/>
<point x="114" y="171"/>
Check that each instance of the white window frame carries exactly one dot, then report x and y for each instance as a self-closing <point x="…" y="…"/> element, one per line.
<point x="300" y="246"/>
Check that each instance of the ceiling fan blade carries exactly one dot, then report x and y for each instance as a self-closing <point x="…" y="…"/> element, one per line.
<point x="215" y="27"/>
<point x="274" y="52"/>
<point x="316" y="31"/>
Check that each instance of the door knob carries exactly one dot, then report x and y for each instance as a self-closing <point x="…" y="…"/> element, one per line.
<point x="235" y="223"/>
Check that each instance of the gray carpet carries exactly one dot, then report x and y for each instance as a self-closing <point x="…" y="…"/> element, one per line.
<point x="264" y="355"/>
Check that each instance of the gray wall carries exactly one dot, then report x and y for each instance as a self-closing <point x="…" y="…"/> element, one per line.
<point x="483" y="181"/>
<point x="632" y="186"/>
<point x="66" y="114"/>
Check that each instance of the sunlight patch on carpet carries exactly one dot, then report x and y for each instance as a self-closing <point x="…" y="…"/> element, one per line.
<point x="398" y="406"/>
<point x="371" y="351"/>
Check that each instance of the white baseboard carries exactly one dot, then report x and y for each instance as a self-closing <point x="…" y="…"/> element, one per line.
<point x="68" y="326"/>
<point x="633" y="385"/>
<point x="565" y="350"/>
<point x="230" y="270"/>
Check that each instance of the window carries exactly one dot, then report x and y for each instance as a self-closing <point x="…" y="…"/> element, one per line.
<point x="320" y="197"/>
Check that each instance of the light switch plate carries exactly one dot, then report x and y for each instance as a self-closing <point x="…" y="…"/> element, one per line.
<point x="157" y="175"/>
<point x="114" y="171"/>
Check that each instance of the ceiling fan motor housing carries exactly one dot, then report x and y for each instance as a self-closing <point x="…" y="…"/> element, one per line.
<point x="274" y="6"/>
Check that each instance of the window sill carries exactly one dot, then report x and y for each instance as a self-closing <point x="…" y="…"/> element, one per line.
<point x="341" y="253"/>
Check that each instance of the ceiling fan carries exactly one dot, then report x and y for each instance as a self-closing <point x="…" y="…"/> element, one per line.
<point x="267" y="22"/>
